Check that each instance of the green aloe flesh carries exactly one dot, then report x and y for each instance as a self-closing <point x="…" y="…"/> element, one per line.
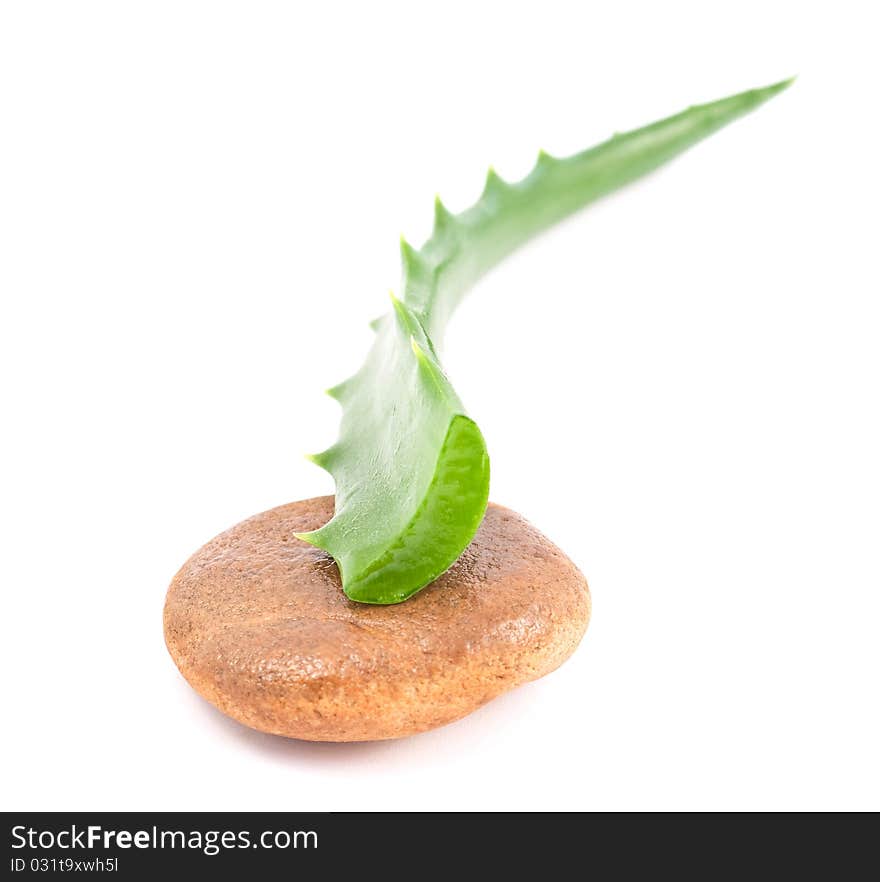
<point x="410" y="467"/>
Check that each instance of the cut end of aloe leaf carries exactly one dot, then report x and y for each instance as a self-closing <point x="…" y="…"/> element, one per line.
<point x="449" y="515"/>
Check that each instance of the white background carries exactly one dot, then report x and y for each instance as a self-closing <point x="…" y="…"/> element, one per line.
<point x="200" y="205"/>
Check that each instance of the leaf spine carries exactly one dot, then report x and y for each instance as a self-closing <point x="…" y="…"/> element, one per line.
<point x="443" y="218"/>
<point x="545" y="160"/>
<point x="414" y="265"/>
<point x="495" y="184"/>
<point x="322" y="459"/>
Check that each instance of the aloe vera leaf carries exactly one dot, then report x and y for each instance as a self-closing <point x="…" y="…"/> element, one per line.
<point x="410" y="467"/>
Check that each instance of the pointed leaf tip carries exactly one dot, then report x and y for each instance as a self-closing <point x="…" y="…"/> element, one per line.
<point x="765" y="93"/>
<point x="781" y="86"/>
<point x="744" y="101"/>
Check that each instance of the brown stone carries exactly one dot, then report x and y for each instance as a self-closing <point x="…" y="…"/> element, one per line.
<point x="257" y="623"/>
